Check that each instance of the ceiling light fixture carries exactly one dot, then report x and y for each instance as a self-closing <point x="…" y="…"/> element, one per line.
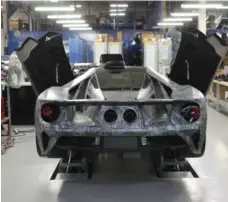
<point x="119" y="5"/>
<point x="68" y="8"/>
<point x="177" y="19"/>
<point x="122" y="5"/>
<point x="118" y="10"/>
<point x="80" y="28"/>
<point x="193" y="14"/>
<point x="198" y="6"/>
<point x="117" y="14"/>
<point x="157" y="27"/>
<point x="170" y="24"/>
<point x="67" y="16"/>
<point x="53" y="1"/>
<point x="78" y="6"/>
<point x="75" y="25"/>
<point x="69" y="21"/>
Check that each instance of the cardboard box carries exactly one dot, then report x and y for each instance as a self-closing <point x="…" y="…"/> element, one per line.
<point x="225" y="62"/>
<point x="104" y="37"/>
<point x="150" y="36"/>
<point x="119" y="36"/>
<point x="98" y="38"/>
<point x="147" y="36"/>
<point x="110" y="39"/>
<point x="218" y="72"/>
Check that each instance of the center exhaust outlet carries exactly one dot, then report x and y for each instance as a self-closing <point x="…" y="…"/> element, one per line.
<point x="129" y="115"/>
<point x="110" y="116"/>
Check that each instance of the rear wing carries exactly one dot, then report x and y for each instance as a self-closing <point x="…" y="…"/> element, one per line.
<point x="123" y="103"/>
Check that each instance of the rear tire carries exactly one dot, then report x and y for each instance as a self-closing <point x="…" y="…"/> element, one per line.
<point x="204" y="147"/>
<point x="38" y="148"/>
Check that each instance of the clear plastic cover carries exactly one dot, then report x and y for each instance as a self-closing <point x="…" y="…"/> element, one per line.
<point x="15" y="72"/>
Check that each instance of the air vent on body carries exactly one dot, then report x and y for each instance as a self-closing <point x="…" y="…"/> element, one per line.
<point x="94" y="82"/>
<point x="146" y="82"/>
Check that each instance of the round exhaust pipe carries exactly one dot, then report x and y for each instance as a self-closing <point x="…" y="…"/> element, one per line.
<point x="129" y="115"/>
<point x="110" y="116"/>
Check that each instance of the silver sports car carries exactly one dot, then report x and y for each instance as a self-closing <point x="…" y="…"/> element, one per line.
<point x="118" y="108"/>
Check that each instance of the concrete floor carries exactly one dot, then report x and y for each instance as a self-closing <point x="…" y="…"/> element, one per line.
<point x="25" y="176"/>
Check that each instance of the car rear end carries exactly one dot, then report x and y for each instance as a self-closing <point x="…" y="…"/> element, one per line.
<point x="118" y="126"/>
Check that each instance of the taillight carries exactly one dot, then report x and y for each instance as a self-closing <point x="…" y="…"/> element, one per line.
<point x="49" y="112"/>
<point x="191" y="113"/>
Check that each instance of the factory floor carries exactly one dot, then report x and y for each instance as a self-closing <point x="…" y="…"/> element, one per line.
<point x="26" y="177"/>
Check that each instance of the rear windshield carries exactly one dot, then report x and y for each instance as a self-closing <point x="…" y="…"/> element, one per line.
<point x="131" y="78"/>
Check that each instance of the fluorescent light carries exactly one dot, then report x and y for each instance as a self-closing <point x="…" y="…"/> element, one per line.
<point x="157" y="27"/>
<point x="184" y="14"/>
<point x="78" y="6"/>
<point x="80" y="28"/>
<point x="67" y="16"/>
<point x="119" y="5"/>
<point x="52" y="8"/>
<point x="177" y="19"/>
<point x="54" y="1"/>
<point x="223" y="7"/>
<point x="197" y="6"/>
<point x="122" y="5"/>
<point x="69" y="21"/>
<point x="75" y="25"/>
<point x="117" y="14"/>
<point x="170" y="24"/>
<point x="117" y="10"/>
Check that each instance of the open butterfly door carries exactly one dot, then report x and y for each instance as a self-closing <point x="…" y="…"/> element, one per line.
<point x="45" y="62"/>
<point x="198" y="59"/>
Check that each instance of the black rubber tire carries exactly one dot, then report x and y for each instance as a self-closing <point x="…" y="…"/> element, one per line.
<point x="38" y="148"/>
<point x="204" y="147"/>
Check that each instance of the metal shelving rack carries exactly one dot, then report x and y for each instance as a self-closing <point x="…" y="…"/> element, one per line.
<point x="7" y="140"/>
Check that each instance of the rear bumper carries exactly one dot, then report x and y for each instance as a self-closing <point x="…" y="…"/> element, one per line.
<point x="138" y="131"/>
<point x="185" y="138"/>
